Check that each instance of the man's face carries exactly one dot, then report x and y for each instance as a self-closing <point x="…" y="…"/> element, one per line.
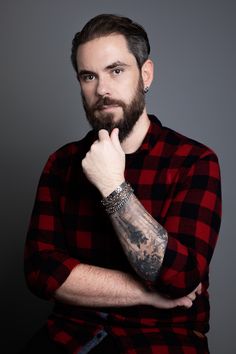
<point x="111" y="84"/>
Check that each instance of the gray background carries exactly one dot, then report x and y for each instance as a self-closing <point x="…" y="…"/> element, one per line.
<point x="193" y="46"/>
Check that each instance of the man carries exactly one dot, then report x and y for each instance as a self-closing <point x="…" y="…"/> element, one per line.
<point x="128" y="274"/>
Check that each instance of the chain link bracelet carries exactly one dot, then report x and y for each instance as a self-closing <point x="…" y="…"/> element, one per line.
<point x="117" y="199"/>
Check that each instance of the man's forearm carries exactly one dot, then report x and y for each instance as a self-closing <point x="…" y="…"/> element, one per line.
<point x="94" y="286"/>
<point x="143" y="239"/>
<point x="99" y="287"/>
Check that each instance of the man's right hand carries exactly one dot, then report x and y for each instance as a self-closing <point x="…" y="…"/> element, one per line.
<point x="160" y="301"/>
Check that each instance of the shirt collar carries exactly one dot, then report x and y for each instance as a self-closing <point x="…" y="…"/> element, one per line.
<point x="152" y="135"/>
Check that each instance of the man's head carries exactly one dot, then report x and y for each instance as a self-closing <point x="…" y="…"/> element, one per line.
<point x="110" y="56"/>
<point x="106" y="24"/>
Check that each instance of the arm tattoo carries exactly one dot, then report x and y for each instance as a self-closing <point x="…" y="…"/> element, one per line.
<point x="143" y="239"/>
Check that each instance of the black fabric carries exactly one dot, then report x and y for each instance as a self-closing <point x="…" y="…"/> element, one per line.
<point x="41" y="343"/>
<point x="108" y="345"/>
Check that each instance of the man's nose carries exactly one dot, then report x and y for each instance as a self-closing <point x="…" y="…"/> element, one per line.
<point x="103" y="87"/>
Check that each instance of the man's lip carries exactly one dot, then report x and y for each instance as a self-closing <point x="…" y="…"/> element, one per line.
<point x="109" y="106"/>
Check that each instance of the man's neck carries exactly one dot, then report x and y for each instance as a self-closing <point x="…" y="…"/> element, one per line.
<point x="135" y="139"/>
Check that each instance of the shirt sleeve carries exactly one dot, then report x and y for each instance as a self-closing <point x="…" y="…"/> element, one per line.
<point x="47" y="262"/>
<point x="193" y="222"/>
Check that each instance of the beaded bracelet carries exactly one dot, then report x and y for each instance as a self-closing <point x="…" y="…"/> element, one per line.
<point x="114" y="201"/>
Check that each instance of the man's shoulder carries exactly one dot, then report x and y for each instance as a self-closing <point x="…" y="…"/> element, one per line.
<point x="69" y="153"/>
<point x="177" y="149"/>
<point x="74" y="148"/>
<point x="181" y="145"/>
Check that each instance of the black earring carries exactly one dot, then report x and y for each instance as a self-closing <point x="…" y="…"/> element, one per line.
<point x="146" y="89"/>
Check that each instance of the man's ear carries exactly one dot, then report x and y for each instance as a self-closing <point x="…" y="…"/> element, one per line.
<point x="147" y="72"/>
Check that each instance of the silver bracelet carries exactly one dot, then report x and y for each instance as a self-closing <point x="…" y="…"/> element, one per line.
<point x="117" y="199"/>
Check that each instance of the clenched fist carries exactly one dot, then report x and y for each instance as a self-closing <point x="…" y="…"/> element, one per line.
<point x="104" y="163"/>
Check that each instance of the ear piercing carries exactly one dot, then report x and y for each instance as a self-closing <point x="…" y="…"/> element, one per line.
<point x="146" y="89"/>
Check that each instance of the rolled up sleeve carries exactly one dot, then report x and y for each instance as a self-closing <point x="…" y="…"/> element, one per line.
<point x="193" y="223"/>
<point x="47" y="261"/>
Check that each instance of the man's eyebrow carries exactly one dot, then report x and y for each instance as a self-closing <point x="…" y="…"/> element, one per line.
<point x="115" y="64"/>
<point x="109" y="67"/>
<point x="85" y="72"/>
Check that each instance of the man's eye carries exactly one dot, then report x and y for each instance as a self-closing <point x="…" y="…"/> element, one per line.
<point x="117" y="71"/>
<point x="88" y="77"/>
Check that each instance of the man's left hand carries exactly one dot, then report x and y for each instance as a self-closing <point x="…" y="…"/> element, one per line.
<point x="104" y="163"/>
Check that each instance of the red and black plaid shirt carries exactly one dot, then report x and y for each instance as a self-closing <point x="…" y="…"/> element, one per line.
<point x="178" y="181"/>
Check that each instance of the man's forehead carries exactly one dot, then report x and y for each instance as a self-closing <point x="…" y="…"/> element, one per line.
<point x="110" y="38"/>
<point x="104" y="51"/>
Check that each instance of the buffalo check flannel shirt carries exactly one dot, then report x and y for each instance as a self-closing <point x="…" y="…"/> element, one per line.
<point x="178" y="181"/>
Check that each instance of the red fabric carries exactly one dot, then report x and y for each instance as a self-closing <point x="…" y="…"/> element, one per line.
<point x="178" y="181"/>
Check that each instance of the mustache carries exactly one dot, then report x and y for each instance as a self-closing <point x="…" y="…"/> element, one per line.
<point x="107" y="101"/>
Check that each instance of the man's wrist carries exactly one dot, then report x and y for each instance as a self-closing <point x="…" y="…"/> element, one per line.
<point x="118" y="198"/>
<point x="107" y="190"/>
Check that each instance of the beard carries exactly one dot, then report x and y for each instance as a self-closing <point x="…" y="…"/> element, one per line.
<point x="131" y="113"/>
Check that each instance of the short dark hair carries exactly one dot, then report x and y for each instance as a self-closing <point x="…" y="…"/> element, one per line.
<point x="106" y="24"/>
